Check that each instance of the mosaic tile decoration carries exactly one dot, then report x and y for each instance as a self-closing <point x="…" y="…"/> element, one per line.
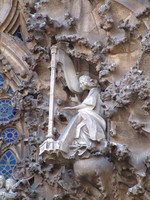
<point x="7" y="112"/>
<point x="1" y="81"/>
<point x="10" y="91"/>
<point x="7" y="163"/>
<point x="10" y="135"/>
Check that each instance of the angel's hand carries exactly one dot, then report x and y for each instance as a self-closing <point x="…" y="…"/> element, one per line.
<point x="68" y="108"/>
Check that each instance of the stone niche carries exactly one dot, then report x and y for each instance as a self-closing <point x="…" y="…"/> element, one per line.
<point x="80" y="77"/>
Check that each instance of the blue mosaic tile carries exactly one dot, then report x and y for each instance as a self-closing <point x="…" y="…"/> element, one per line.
<point x="10" y="135"/>
<point x="7" y="112"/>
<point x="10" y="91"/>
<point x="1" y="81"/>
<point x="7" y="163"/>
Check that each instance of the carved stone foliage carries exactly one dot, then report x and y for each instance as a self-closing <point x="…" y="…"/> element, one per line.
<point x="106" y="40"/>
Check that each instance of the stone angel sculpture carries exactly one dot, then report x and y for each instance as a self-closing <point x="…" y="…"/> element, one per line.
<point x="2" y="187"/>
<point x="6" y="188"/>
<point x="9" y="194"/>
<point x="87" y="126"/>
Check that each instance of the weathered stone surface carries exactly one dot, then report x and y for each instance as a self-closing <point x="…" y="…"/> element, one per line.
<point x="106" y="40"/>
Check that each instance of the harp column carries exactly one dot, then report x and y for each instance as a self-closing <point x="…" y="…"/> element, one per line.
<point x="49" y="143"/>
<point x="52" y="92"/>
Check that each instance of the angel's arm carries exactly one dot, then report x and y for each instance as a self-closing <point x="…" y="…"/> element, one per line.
<point x="80" y="106"/>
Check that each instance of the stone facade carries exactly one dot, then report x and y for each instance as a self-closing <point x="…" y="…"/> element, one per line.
<point x="74" y="99"/>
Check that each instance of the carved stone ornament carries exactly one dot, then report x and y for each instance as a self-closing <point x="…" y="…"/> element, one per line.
<point x="87" y="128"/>
<point x="75" y="99"/>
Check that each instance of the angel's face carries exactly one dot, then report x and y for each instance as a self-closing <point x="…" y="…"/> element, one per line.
<point x="83" y="85"/>
<point x="9" y="184"/>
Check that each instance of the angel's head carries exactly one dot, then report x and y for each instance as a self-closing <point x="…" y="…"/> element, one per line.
<point x="9" y="183"/>
<point x="86" y="82"/>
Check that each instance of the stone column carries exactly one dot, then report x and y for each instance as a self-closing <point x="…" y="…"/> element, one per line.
<point x="52" y="92"/>
<point x="48" y="144"/>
